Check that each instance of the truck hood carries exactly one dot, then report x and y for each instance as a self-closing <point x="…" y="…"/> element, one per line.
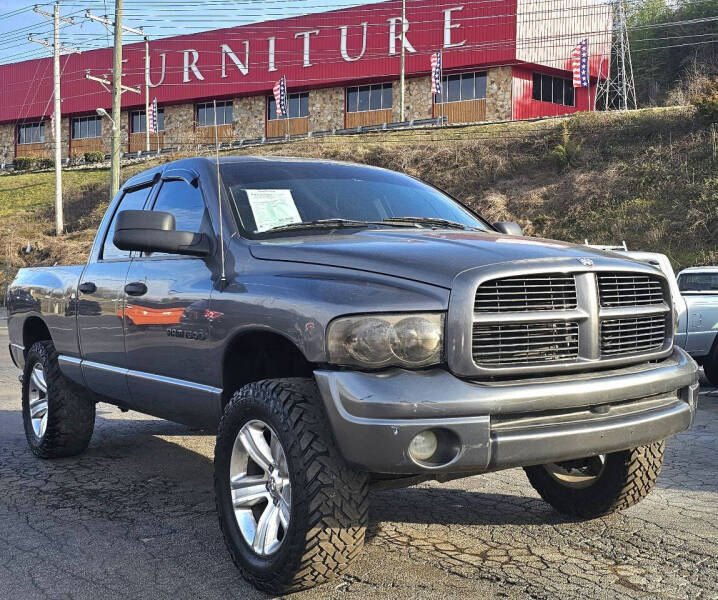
<point x="433" y="257"/>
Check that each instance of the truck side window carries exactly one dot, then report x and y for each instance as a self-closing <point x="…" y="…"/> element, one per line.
<point x="185" y="202"/>
<point x="133" y="200"/>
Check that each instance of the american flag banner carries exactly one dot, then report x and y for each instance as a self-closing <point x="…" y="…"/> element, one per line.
<point x="579" y="58"/>
<point x="280" y="97"/>
<point x="436" y="60"/>
<point x="153" y="116"/>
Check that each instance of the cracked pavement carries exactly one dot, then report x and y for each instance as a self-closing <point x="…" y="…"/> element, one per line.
<point x="134" y="517"/>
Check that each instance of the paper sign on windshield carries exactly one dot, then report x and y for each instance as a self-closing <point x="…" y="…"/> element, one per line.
<point x="273" y="208"/>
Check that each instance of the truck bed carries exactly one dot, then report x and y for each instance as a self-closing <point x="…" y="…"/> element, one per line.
<point x="50" y="293"/>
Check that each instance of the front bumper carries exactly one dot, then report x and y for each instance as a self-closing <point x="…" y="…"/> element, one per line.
<point x="500" y="425"/>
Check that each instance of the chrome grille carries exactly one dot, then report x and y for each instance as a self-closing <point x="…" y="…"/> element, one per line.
<point x="629" y="289"/>
<point x="529" y="293"/>
<point x="557" y="315"/>
<point x="523" y="343"/>
<point x="632" y="335"/>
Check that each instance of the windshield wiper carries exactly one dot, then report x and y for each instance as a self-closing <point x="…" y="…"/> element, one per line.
<point x="318" y="224"/>
<point x="349" y="223"/>
<point x="428" y="221"/>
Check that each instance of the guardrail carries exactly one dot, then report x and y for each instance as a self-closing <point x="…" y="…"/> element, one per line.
<point x="255" y="142"/>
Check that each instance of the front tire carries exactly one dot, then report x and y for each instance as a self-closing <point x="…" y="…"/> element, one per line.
<point x="597" y="486"/>
<point x="58" y="419"/>
<point x="710" y="367"/>
<point x="292" y="512"/>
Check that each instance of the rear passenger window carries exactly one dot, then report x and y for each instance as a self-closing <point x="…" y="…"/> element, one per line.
<point x="132" y="200"/>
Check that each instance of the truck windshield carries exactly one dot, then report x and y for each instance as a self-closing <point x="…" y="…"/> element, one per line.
<point x="273" y="198"/>
<point x="699" y="283"/>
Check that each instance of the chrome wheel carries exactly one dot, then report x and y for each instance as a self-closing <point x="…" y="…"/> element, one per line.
<point x="37" y="395"/>
<point x="577" y="474"/>
<point x="261" y="489"/>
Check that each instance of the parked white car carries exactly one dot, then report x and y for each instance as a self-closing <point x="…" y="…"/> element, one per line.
<point x="699" y="289"/>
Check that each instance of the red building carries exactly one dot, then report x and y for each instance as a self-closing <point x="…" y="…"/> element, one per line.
<point x="502" y="59"/>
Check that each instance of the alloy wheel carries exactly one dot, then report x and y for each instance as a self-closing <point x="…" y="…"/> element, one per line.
<point x="577" y="474"/>
<point x="261" y="487"/>
<point x="37" y="393"/>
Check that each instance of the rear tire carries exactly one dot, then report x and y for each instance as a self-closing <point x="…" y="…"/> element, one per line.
<point x="58" y="419"/>
<point x="624" y="479"/>
<point x="320" y="523"/>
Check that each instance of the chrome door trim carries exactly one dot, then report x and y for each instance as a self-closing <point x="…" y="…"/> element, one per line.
<point x="199" y="387"/>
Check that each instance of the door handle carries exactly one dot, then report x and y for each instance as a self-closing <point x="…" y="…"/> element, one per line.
<point x="136" y="289"/>
<point x="87" y="287"/>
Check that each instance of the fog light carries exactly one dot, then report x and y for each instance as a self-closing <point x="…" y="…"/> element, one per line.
<point x="423" y="446"/>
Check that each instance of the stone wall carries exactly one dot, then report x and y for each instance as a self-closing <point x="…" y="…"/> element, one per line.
<point x="124" y="130"/>
<point x="7" y="143"/>
<point x="326" y="109"/>
<point x="179" y="126"/>
<point x="498" y="94"/>
<point x="65" y="136"/>
<point x="248" y="116"/>
<point x="418" y="101"/>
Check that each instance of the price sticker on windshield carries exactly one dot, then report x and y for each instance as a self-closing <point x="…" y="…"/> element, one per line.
<point x="273" y="208"/>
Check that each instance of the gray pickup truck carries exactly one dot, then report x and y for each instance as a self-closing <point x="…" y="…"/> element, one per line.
<point x="343" y="327"/>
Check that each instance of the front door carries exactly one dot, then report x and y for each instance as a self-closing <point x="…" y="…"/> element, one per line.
<point x="167" y="318"/>
<point x="100" y="308"/>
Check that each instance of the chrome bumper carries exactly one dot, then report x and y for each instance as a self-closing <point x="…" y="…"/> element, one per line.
<point x="507" y="424"/>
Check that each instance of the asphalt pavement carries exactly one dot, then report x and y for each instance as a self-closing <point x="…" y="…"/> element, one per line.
<point x="134" y="517"/>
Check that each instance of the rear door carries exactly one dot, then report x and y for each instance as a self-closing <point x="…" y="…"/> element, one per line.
<point x="168" y="318"/>
<point x="101" y="306"/>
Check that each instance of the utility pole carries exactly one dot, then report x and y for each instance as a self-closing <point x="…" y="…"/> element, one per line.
<point x="57" y="111"/>
<point x="59" y="217"/>
<point x="402" y="77"/>
<point x="117" y="85"/>
<point x="116" y="103"/>
<point x="147" y="95"/>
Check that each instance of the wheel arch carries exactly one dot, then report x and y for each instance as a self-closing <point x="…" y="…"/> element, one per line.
<point x="256" y="354"/>
<point x="34" y="330"/>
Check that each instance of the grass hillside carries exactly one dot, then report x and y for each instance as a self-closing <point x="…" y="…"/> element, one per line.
<point x="648" y="177"/>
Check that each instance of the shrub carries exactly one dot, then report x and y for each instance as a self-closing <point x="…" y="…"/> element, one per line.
<point x="23" y="163"/>
<point x="565" y="154"/>
<point x="94" y="157"/>
<point x="706" y="101"/>
<point x="44" y="163"/>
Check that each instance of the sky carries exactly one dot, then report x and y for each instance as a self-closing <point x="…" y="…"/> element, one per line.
<point x="160" y="18"/>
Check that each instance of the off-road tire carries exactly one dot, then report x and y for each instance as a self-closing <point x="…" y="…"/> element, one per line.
<point x="628" y="477"/>
<point x="70" y="415"/>
<point x="329" y="510"/>
<point x="710" y="366"/>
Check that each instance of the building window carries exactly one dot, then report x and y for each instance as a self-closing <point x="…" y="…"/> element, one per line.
<point x="461" y="88"/>
<point x="369" y="97"/>
<point x="86" y="127"/>
<point x="556" y="90"/>
<point x="205" y="114"/>
<point x="31" y="133"/>
<point x="138" y="121"/>
<point x="298" y="106"/>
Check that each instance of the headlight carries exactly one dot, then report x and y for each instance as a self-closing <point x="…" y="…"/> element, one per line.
<point x="374" y="341"/>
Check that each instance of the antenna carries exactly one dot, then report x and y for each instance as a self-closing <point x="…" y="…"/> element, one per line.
<point x="223" y="278"/>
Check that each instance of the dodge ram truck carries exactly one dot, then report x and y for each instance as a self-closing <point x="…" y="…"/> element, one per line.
<point x="342" y="327"/>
